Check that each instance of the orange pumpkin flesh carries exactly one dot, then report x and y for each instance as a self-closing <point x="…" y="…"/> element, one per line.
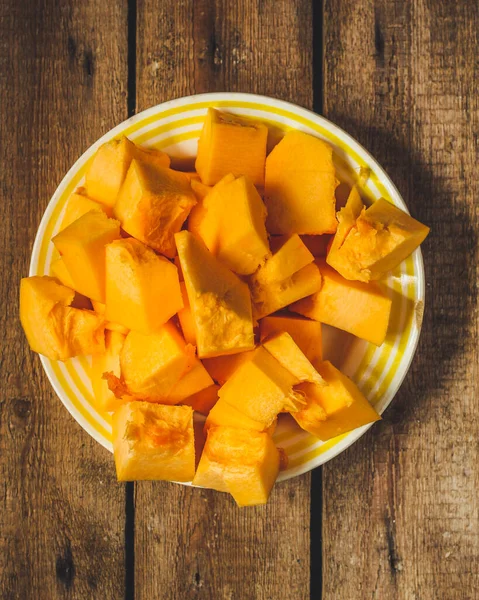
<point x="306" y="333"/>
<point x="231" y="144"/>
<point x="242" y="462"/>
<point x="299" y="186"/>
<point x="334" y="408"/>
<point x="152" y="441"/>
<point x="52" y="326"/>
<point x="108" y="168"/>
<point x="362" y="309"/>
<point x="379" y="240"/>
<point x="142" y="288"/>
<point x="226" y="278"/>
<point x="152" y="205"/>
<point x="82" y="247"/>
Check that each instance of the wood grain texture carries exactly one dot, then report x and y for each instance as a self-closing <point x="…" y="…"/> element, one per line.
<point x="401" y="509"/>
<point x="62" y="85"/>
<point x="193" y="543"/>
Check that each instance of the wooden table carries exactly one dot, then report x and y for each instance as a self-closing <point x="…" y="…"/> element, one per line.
<point x="395" y="516"/>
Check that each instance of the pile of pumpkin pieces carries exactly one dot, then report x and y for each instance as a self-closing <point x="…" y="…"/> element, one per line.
<point x="173" y="280"/>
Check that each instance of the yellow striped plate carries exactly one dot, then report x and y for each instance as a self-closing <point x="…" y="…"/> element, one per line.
<point x="174" y="127"/>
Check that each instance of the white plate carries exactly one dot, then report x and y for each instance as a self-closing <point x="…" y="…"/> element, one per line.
<point x="174" y="127"/>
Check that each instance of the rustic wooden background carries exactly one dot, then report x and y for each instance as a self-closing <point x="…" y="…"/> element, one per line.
<point x="395" y="516"/>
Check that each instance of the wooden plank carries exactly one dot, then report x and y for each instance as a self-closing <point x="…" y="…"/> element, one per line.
<point x="401" y="510"/>
<point x="62" y="84"/>
<point x="193" y="543"/>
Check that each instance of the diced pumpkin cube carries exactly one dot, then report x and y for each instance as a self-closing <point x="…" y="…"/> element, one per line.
<point x="273" y="297"/>
<point x="225" y="414"/>
<point x="317" y="244"/>
<point x="204" y="400"/>
<point x="194" y="381"/>
<point x="232" y="226"/>
<point x="381" y="238"/>
<point x="153" y="204"/>
<point x="152" y="365"/>
<point x="334" y="408"/>
<point x="109" y="166"/>
<point x="100" y="309"/>
<point x="186" y="318"/>
<point x="260" y="388"/>
<point x="290" y="256"/>
<point x="346" y="219"/>
<point x="288" y="354"/>
<point x="222" y="367"/>
<point x="305" y="332"/>
<point x="299" y="186"/>
<point x="231" y="144"/>
<point x="82" y="247"/>
<point x="153" y="441"/>
<point x="200" y="189"/>
<point x="204" y="219"/>
<point x="107" y="362"/>
<point x="362" y="309"/>
<point x="142" y="288"/>
<point x="220" y="302"/>
<point x="54" y="328"/>
<point x="60" y="272"/>
<point x="78" y="205"/>
<point x="241" y="462"/>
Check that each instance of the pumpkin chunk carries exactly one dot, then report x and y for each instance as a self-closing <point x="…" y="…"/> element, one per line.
<point x="223" y="413"/>
<point x="194" y="381"/>
<point x="79" y="204"/>
<point x="107" y="362"/>
<point x="288" y="354"/>
<point x="380" y="239"/>
<point x="306" y="333"/>
<point x="200" y="189"/>
<point x="233" y="225"/>
<point x="53" y="327"/>
<point x="82" y="247"/>
<point x="300" y="186"/>
<point x="231" y="144"/>
<point x="152" y="365"/>
<point x="204" y="219"/>
<point x="110" y="164"/>
<point x="153" y="204"/>
<point x="204" y="400"/>
<point x="260" y="388"/>
<point x="59" y="270"/>
<point x="185" y="317"/>
<point x="198" y="212"/>
<point x="220" y="302"/>
<point x="334" y="408"/>
<point x="285" y="277"/>
<point x="142" y="288"/>
<point x="290" y="256"/>
<point x="153" y="441"/>
<point x="362" y="309"/>
<point x="241" y="462"/>
<point x="230" y="221"/>
<point x="346" y="219"/>
<point x="221" y="368"/>
<point x="268" y="299"/>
